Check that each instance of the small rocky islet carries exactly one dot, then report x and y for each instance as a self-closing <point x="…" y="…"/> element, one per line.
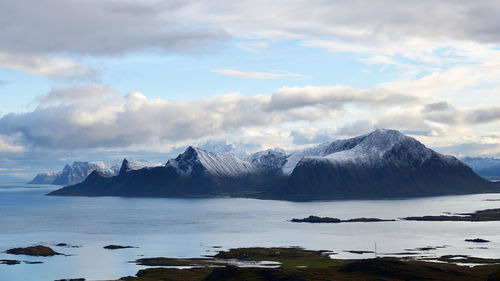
<point x="36" y="251"/>
<point x="116" y="247"/>
<point x="478" y="216"/>
<point x="316" y="219"/>
<point x="477" y="240"/>
<point x="10" y="262"/>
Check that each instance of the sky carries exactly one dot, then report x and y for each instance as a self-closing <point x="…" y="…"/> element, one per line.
<point x="103" y="80"/>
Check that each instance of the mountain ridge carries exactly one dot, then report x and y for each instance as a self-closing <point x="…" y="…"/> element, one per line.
<point x="383" y="163"/>
<point x="79" y="170"/>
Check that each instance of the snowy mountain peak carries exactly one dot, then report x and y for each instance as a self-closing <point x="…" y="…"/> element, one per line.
<point x="268" y="160"/>
<point x="79" y="170"/>
<point x="379" y="145"/>
<point x="198" y="161"/>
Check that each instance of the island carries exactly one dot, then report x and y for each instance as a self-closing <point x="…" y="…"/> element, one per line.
<point x="381" y="164"/>
<point x="482" y="215"/>
<point x="300" y="264"/>
<point x="37" y="251"/>
<point x="316" y="219"/>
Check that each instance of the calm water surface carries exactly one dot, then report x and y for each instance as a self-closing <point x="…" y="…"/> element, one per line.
<point x="191" y="227"/>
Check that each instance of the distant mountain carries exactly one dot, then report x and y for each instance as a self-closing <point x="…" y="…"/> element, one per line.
<point x="486" y="167"/>
<point x="194" y="173"/>
<point x="78" y="171"/>
<point x="382" y="164"/>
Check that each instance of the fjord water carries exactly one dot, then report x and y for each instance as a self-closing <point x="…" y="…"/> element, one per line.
<point x="192" y="227"/>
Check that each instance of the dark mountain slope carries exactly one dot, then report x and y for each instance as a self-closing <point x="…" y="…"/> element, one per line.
<point x="382" y="164"/>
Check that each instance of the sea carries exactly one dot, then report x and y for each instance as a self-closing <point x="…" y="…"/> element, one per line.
<point x="166" y="227"/>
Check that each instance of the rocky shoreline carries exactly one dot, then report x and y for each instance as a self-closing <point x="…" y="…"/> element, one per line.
<point x="301" y="264"/>
<point x="295" y="263"/>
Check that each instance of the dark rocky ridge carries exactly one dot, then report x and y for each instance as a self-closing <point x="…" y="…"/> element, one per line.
<point x="315" y="219"/>
<point x="482" y="215"/>
<point x="36" y="251"/>
<point x="382" y="164"/>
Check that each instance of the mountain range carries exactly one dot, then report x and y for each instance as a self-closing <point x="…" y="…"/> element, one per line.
<point x="78" y="171"/>
<point x="381" y="164"/>
<point x="486" y="167"/>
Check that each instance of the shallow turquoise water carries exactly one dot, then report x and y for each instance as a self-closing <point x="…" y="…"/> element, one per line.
<point x="191" y="227"/>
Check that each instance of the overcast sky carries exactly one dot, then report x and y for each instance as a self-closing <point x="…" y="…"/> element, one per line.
<point x="101" y="80"/>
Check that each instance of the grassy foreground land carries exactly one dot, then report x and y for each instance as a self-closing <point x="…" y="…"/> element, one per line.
<point x="300" y="264"/>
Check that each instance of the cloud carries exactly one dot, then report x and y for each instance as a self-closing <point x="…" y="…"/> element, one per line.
<point x="38" y="37"/>
<point x="100" y="27"/>
<point x="445" y="113"/>
<point x="46" y="65"/>
<point x="114" y="27"/>
<point x="76" y="93"/>
<point x="304" y="136"/>
<point x="8" y="145"/>
<point x="256" y="75"/>
<point x="486" y="115"/>
<point x="357" y="25"/>
<point x="101" y="120"/>
<point x="254" y="46"/>
<point x="471" y="149"/>
<point x="334" y="97"/>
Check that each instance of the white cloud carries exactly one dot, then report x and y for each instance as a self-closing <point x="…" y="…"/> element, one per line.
<point x="77" y="92"/>
<point x="106" y="27"/>
<point x="254" y="46"/>
<point x="256" y="75"/>
<point x="116" y="121"/>
<point x="8" y="145"/>
<point x="45" y="65"/>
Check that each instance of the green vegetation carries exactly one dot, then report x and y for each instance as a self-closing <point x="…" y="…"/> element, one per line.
<point x="290" y="258"/>
<point x="300" y="264"/>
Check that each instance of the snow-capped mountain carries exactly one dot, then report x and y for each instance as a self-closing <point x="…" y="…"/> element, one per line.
<point x="78" y="171"/>
<point x="46" y="178"/>
<point x="379" y="147"/>
<point x="320" y="150"/>
<point x="486" y="167"/>
<point x="269" y="161"/>
<point x="384" y="163"/>
<point x="196" y="161"/>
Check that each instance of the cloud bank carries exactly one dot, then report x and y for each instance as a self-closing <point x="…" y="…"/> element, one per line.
<point x="88" y="117"/>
